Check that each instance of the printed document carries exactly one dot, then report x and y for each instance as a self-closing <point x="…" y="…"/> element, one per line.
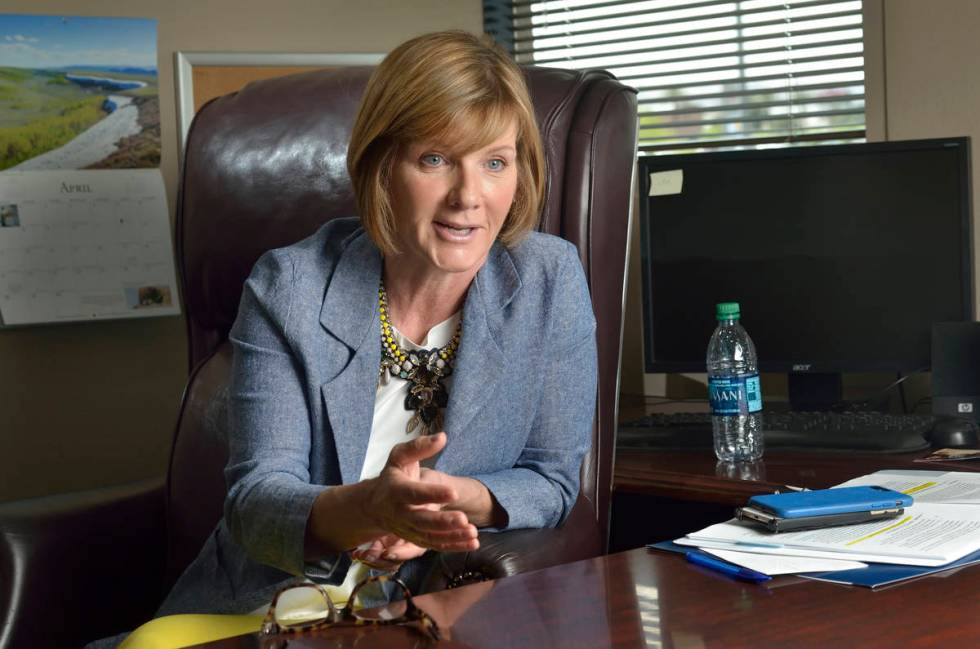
<point x="771" y="564"/>
<point x="928" y="534"/>
<point x="950" y="487"/>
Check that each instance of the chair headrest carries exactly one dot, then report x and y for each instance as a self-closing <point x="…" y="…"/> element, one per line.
<point x="266" y="166"/>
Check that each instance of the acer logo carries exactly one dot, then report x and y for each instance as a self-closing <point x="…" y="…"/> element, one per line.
<point x="802" y="367"/>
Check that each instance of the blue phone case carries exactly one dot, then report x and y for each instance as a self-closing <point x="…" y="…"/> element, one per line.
<point x="820" y="502"/>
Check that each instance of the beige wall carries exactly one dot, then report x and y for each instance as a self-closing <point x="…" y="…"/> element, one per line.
<point x="921" y="82"/>
<point x="92" y="404"/>
<point x="931" y="84"/>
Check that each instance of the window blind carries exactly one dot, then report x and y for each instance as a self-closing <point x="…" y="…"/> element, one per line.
<point x="710" y="74"/>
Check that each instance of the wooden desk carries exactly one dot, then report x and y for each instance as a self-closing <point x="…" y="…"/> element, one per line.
<point x="643" y="598"/>
<point x="661" y="495"/>
<point x="697" y="476"/>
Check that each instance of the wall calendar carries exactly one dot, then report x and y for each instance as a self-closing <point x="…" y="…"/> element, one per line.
<point x="78" y="245"/>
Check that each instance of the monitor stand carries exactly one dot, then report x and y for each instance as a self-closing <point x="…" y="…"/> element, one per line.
<point x="818" y="391"/>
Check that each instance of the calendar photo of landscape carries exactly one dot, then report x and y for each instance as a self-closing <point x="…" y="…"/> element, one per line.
<point x="78" y="93"/>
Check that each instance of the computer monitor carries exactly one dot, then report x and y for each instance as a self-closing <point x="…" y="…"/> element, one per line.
<point x="841" y="256"/>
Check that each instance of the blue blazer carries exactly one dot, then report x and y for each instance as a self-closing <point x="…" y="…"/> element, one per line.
<point x="305" y="370"/>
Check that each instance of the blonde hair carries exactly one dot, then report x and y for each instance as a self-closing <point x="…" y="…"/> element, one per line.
<point x="449" y="86"/>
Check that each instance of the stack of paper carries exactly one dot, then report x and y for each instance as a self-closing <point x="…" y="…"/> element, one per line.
<point x="940" y="531"/>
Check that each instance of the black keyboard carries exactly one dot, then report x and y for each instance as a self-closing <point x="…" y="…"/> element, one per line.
<point x="867" y="432"/>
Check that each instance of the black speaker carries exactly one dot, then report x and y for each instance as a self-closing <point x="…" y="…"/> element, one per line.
<point x="956" y="369"/>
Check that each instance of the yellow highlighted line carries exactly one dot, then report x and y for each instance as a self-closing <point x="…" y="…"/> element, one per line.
<point x="881" y="531"/>
<point x="921" y="487"/>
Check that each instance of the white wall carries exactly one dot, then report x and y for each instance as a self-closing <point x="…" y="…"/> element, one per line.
<point x="931" y="84"/>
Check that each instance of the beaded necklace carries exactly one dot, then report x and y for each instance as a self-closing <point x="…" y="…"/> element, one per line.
<point x="424" y="369"/>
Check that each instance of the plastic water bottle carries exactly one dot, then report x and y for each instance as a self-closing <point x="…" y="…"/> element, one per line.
<point x="733" y="386"/>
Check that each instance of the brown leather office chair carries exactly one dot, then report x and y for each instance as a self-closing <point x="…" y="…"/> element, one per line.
<point x="263" y="168"/>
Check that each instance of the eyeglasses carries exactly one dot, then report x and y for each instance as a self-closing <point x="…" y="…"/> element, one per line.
<point x="308" y="607"/>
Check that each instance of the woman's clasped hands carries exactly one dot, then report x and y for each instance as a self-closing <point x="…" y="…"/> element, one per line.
<point x="415" y="506"/>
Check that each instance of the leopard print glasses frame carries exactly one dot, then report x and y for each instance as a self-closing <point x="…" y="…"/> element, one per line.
<point x="347" y="616"/>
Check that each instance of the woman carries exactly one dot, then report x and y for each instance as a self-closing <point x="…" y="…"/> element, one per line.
<point x="403" y="379"/>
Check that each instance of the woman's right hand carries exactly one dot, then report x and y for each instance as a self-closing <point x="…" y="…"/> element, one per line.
<point x="402" y="504"/>
<point x="387" y="553"/>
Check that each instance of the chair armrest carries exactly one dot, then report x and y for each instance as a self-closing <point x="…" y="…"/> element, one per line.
<point x="79" y="566"/>
<point x="502" y="554"/>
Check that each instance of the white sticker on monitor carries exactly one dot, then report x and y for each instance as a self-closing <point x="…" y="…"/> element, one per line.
<point x="666" y="183"/>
